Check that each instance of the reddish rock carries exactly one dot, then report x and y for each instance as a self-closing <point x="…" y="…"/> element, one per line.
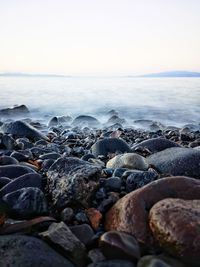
<point x="130" y="213"/>
<point x="175" y="224"/>
<point x="95" y="217"/>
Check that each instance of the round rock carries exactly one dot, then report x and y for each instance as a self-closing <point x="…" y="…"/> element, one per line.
<point x="14" y="171"/>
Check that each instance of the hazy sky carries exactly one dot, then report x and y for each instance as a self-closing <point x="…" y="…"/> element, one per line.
<point x="99" y="36"/>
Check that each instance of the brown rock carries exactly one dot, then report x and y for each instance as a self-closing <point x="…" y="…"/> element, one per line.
<point x="94" y="217"/>
<point x="130" y="213"/>
<point x="175" y="224"/>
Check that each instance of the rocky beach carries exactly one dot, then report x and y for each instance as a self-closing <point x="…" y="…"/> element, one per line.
<point x="78" y="192"/>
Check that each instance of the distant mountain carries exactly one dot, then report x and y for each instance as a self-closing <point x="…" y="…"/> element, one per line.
<point x="173" y="74"/>
<point x="19" y="74"/>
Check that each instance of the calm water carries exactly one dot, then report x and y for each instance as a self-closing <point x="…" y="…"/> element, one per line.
<point x="168" y="100"/>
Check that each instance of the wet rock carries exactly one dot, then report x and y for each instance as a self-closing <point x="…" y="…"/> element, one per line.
<point x="138" y="179"/>
<point x="15" y="111"/>
<point x="46" y="164"/>
<point x="71" y="180"/>
<point x="177" y="161"/>
<point x="26" y="251"/>
<point x="113" y="184"/>
<point x="53" y="122"/>
<point x="159" y="261"/>
<point x="22" y="129"/>
<point x="175" y="225"/>
<point x="51" y="155"/>
<point x="128" y="160"/>
<point x="19" y="156"/>
<point x="115" y="119"/>
<point x="67" y="215"/>
<point x="118" y="245"/>
<point x="112" y="263"/>
<point x="26" y="180"/>
<point x="83" y="232"/>
<point x="6" y="160"/>
<point x="155" y="144"/>
<point x="8" y="142"/>
<point x="14" y="171"/>
<point x="26" y="203"/>
<point x="62" y="237"/>
<point x="108" y="146"/>
<point x="119" y="172"/>
<point x="4" y="181"/>
<point x="87" y="157"/>
<point x="130" y="213"/>
<point x="85" y="120"/>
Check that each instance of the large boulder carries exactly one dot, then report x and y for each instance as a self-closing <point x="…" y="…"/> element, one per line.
<point x="175" y="225"/>
<point x="109" y="146"/>
<point x="22" y="129"/>
<point x="130" y="213"/>
<point x="71" y="180"/>
<point x="177" y="161"/>
<point x="27" y="251"/>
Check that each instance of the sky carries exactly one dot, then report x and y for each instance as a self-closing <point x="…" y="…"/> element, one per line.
<point x="81" y="37"/>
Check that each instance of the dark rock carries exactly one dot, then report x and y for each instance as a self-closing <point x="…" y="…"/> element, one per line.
<point x="83" y="232"/>
<point x="175" y="225"/>
<point x="158" y="261"/>
<point x="27" y="251"/>
<point x="112" y="263"/>
<point x="26" y="180"/>
<point x="72" y="180"/>
<point x="67" y="215"/>
<point x="118" y="245"/>
<point x="68" y="244"/>
<point x="53" y="122"/>
<point x="155" y="144"/>
<point x="109" y="145"/>
<point x="85" y="120"/>
<point x="95" y="255"/>
<point x="130" y="213"/>
<point x="81" y="217"/>
<point x="177" y="161"/>
<point x="138" y="179"/>
<point x="19" y="156"/>
<point x="14" y="171"/>
<point x="26" y="202"/>
<point x="4" y="181"/>
<point x="25" y="141"/>
<point x="115" y="119"/>
<point x="51" y="155"/>
<point x="119" y="172"/>
<point x="8" y="142"/>
<point x="22" y="129"/>
<point x="6" y="160"/>
<point x="46" y="164"/>
<point x="113" y="184"/>
<point x="15" y="111"/>
<point x="87" y="157"/>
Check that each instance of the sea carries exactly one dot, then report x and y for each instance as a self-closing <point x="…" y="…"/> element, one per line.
<point x="171" y="101"/>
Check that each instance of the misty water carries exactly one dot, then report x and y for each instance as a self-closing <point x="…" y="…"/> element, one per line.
<point x="172" y="101"/>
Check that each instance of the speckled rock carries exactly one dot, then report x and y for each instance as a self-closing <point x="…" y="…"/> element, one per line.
<point x="177" y="161"/>
<point x="22" y="129"/>
<point x="26" y="251"/>
<point x="26" y="203"/>
<point x="14" y="171"/>
<point x="155" y="144"/>
<point x="175" y="225"/>
<point x="130" y="213"/>
<point x="128" y="160"/>
<point x="61" y="236"/>
<point x="109" y="146"/>
<point x="72" y="180"/>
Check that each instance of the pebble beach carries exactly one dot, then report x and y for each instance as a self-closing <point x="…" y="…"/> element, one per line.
<point x="76" y="192"/>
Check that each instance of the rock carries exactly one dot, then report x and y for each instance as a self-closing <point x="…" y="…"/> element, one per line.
<point x="14" y="171"/>
<point x="175" y="225"/>
<point x="130" y="213"/>
<point x="153" y="263"/>
<point x="26" y="180"/>
<point x="26" y="203"/>
<point x="95" y="255"/>
<point x="95" y="217"/>
<point x="112" y="263"/>
<point x="177" y="161"/>
<point x="61" y="237"/>
<point x="115" y="119"/>
<point x="113" y="184"/>
<point x="4" y="181"/>
<point x="138" y="179"/>
<point x="109" y="146"/>
<point x="8" y="142"/>
<point x="27" y="251"/>
<point x="22" y="129"/>
<point x="19" y="156"/>
<point x="67" y="215"/>
<point x="158" y="261"/>
<point x="53" y="122"/>
<point x="51" y="155"/>
<point x="83" y="232"/>
<point x="155" y="144"/>
<point x="118" y="245"/>
<point x="85" y="120"/>
<point x="128" y="160"/>
<point x="119" y="172"/>
<point x="15" y="111"/>
<point x="71" y="180"/>
<point x="6" y="160"/>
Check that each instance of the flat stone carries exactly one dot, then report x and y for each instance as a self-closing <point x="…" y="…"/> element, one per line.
<point x="128" y="160"/>
<point x="27" y="251"/>
<point x="155" y="144"/>
<point x="177" y="161"/>
<point x="175" y="225"/>
<point x="14" y="171"/>
<point x="61" y="236"/>
<point x="22" y="129"/>
<point x="109" y="146"/>
<point x="26" y="203"/>
<point x="118" y="245"/>
<point x="130" y="213"/>
<point x="71" y="180"/>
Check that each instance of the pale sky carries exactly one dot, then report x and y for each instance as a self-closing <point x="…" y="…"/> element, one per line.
<point x="99" y="36"/>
